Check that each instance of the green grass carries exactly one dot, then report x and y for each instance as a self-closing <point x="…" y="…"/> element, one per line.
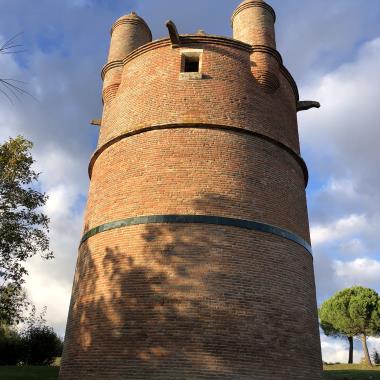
<point x="28" y="373"/>
<point x="351" y="372"/>
<point x="337" y="372"/>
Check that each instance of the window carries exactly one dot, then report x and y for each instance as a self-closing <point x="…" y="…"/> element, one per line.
<point x="191" y="64"/>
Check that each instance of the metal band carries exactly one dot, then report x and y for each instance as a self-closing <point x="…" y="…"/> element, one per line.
<point x="203" y="219"/>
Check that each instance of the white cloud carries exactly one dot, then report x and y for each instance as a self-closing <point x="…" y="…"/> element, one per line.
<point x="340" y="143"/>
<point x="353" y="247"/>
<point x="61" y="152"/>
<point x="347" y="123"/>
<point x="335" y="350"/>
<point x="361" y="271"/>
<point x="338" y="230"/>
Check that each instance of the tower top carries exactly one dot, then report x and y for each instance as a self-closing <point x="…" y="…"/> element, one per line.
<point x="253" y="3"/>
<point x="131" y="18"/>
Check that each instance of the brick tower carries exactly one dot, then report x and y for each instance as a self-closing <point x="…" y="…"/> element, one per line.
<point x="195" y="262"/>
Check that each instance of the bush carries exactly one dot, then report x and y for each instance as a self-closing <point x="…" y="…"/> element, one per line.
<point x="37" y="344"/>
<point x="41" y="345"/>
<point x="11" y="346"/>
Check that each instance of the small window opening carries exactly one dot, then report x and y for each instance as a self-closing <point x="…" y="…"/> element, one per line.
<point x="192" y="64"/>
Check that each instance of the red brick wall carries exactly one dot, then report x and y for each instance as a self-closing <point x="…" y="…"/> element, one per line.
<point x="192" y="302"/>
<point x="127" y="34"/>
<point x="151" y="94"/>
<point x="253" y="23"/>
<point x="198" y="170"/>
<point x="187" y="301"/>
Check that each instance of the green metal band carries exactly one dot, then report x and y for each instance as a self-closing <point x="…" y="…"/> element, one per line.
<point x="203" y="219"/>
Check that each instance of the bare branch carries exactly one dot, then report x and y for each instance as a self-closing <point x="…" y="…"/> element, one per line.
<point x="10" y="89"/>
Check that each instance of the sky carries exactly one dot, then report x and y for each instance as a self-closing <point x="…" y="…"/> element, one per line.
<point x="331" y="47"/>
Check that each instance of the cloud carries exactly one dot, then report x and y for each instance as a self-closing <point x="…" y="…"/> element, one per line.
<point x="335" y="350"/>
<point x="361" y="271"/>
<point x="346" y="127"/>
<point x="340" y="145"/>
<point x="338" y="230"/>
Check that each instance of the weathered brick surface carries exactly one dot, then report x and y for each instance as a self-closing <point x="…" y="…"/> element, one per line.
<point x="229" y="95"/>
<point x="196" y="301"/>
<point x="192" y="302"/>
<point x="253" y="23"/>
<point x="128" y="33"/>
<point x="198" y="171"/>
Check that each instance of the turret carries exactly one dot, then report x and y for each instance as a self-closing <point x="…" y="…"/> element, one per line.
<point x="253" y="23"/>
<point x="127" y="34"/>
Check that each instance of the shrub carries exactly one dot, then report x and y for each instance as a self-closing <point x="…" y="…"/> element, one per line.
<point x="11" y="346"/>
<point x="41" y="345"/>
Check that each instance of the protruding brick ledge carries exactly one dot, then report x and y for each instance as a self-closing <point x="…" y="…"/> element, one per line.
<point x="294" y="154"/>
<point x="199" y="219"/>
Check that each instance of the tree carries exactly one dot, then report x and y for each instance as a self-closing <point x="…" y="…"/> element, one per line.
<point x="329" y="330"/>
<point x="353" y="312"/>
<point x="41" y="345"/>
<point x="11" y="88"/>
<point x="23" y="227"/>
<point x="13" y="303"/>
<point x="11" y="346"/>
<point x="35" y="344"/>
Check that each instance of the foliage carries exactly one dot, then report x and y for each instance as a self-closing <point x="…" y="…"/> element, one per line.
<point x="37" y="344"/>
<point x="13" y="303"/>
<point x="11" y="346"/>
<point x="353" y="312"/>
<point x="41" y="344"/>
<point x="376" y="357"/>
<point x="23" y="227"/>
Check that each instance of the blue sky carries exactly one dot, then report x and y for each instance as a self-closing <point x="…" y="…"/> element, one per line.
<point x="332" y="48"/>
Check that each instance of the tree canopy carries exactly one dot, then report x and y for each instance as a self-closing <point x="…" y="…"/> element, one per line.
<point x="352" y="312"/>
<point x="23" y="226"/>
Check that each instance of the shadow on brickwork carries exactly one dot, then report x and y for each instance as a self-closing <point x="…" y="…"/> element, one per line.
<point x="169" y="303"/>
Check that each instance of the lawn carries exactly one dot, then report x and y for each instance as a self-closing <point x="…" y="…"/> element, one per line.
<point x="28" y="373"/>
<point x="337" y="372"/>
<point x="351" y="372"/>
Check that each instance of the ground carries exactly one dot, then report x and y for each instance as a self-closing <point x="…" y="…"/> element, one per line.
<point x="337" y="372"/>
<point x="28" y="373"/>
<point x="351" y="372"/>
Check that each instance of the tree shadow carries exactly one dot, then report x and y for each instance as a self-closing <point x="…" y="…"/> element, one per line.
<point x="180" y="301"/>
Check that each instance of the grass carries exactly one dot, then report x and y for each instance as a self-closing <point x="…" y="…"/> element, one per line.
<point x="336" y="371"/>
<point x="28" y="373"/>
<point x="351" y="372"/>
